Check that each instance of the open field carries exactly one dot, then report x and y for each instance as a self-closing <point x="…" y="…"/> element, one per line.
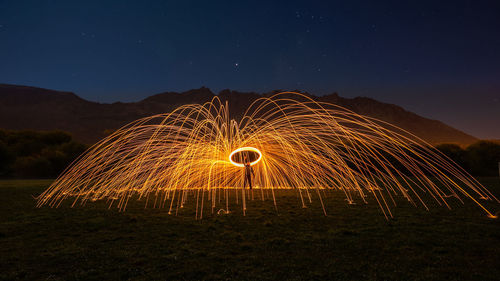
<point x="353" y="242"/>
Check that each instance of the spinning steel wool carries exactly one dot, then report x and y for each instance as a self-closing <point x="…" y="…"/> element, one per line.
<point x="293" y="142"/>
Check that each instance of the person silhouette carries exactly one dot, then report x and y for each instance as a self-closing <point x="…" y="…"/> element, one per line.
<point x="248" y="172"/>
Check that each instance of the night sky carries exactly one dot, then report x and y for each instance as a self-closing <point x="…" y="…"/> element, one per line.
<point x="440" y="60"/>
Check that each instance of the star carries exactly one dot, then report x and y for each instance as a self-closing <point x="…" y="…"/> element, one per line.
<point x="236" y="64"/>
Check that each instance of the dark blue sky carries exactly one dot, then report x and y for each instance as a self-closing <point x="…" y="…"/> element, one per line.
<point x="439" y="59"/>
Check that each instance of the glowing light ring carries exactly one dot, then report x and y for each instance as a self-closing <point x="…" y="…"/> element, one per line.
<point x="247" y="148"/>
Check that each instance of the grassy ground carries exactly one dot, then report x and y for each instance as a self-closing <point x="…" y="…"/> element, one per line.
<point x="353" y="242"/>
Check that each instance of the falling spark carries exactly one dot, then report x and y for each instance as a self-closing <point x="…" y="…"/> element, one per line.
<point x="194" y="152"/>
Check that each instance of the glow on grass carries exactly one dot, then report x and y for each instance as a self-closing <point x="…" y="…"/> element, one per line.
<point x="168" y="160"/>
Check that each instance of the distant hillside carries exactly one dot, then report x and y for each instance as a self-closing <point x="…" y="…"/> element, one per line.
<point x="23" y="107"/>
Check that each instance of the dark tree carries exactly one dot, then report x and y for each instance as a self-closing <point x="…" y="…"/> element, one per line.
<point x="482" y="158"/>
<point x="454" y="152"/>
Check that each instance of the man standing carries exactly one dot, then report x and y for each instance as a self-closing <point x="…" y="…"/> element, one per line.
<point x="248" y="173"/>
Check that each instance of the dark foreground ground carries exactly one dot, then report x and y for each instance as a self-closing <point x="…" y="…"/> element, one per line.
<point x="353" y="242"/>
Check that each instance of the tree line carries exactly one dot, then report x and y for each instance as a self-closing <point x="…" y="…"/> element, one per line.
<point x="479" y="159"/>
<point x="35" y="154"/>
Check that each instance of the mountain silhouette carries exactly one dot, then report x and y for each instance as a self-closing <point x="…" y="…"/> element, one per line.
<point x="23" y="107"/>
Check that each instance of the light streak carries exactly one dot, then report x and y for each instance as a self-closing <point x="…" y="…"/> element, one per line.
<point x="168" y="160"/>
<point x="241" y="149"/>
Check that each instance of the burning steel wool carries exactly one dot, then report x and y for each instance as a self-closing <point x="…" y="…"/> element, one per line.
<point x="197" y="153"/>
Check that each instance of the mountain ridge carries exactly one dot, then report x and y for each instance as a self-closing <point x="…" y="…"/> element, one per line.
<point x="25" y="107"/>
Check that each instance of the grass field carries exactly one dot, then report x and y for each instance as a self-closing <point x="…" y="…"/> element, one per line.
<point x="353" y="242"/>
